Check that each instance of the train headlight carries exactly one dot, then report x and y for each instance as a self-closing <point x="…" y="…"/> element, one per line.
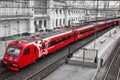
<point x="16" y="60"/>
<point x="5" y="57"/>
<point x="5" y="62"/>
<point x="14" y="64"/>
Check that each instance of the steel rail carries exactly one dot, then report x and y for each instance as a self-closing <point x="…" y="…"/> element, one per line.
<point x="118" y="76"/>
<point x="107" y="73"/>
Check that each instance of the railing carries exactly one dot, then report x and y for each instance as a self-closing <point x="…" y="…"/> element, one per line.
<point x="11" y="16"/>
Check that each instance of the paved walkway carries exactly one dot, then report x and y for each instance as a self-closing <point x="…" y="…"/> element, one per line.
<point x="70" y="72"/>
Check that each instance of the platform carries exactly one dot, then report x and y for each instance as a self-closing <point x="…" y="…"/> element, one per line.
<point x="70" y="72"/>
<point x="95" y="53"/>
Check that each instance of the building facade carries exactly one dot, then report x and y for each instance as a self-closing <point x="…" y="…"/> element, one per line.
<point x="30" y="16"/>
<point x="40" y="15"/>
<point x="15" y="17"/>
<point x="52" y="14"/>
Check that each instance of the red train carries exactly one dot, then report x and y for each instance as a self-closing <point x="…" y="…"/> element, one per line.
<point x="21" y="53"/>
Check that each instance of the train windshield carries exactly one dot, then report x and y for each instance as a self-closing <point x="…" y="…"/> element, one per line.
<point x="13" y="50"/>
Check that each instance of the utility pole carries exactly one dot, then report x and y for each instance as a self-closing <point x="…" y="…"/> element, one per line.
<point x="5" y="36"/>
<point x="96" y="22"/>
<point x="119" y="8"/>
<point x="18" y="28"/>
<point x="85" y="11"/>
<point x="66" y="13"/>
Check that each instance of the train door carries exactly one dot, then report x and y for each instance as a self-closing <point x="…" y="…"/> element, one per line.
<point x="41" y="48"/>
<point x="44" y="48"/>
<point x="75" y="35"/>
<point x="28" y="55"/>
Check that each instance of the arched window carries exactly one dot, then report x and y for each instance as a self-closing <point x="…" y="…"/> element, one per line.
<point x="60" y="11"/>
<point x="56" y="11"/>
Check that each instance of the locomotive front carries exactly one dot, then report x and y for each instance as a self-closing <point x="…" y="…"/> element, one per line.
<point x="11" y="56"/>
<point x="20" y="54"/>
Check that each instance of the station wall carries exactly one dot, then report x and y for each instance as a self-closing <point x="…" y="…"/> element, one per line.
<point x="13" y="27"/>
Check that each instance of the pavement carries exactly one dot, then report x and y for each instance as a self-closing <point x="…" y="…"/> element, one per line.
<point x="71" y="72"/>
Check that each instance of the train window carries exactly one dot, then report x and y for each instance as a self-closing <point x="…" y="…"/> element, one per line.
<point x="93" y="28"/>
<point x="82" y="32"/>
<point x="49" y="44"/>
<point x="13" y="50"/>
<point x="59" y="40"/>
<point x="43" y="46"/>
<point x="86" y="30"/>
<point x="35" y="49"/>
<point x="65" y="38"/>
<point x="27" y="51"/>
<point x="90" y="29"/>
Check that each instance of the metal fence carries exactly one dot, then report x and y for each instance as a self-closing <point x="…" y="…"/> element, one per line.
<point x="87" y="55"/>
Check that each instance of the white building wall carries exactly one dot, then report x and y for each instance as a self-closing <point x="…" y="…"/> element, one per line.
<point x="51" y="14"/>
<point x="2" y="29"/>
<point x="31" y="28"/>
<point x="15" y="16"/>
<point x="24" y="27"/>
<point x="57" y="16"/>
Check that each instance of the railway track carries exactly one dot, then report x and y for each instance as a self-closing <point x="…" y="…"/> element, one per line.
<point x="43" y="73"/>
<point x="6" y="73"/>
<point x="118" y="76"/>
<point x="2" y="67"/>
<point x="113" y="71"/>
<point x="48" y="64"/>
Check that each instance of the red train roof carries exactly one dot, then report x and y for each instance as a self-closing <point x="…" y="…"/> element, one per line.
<point x="22" y="42"/>
<point x="58" y="36"/>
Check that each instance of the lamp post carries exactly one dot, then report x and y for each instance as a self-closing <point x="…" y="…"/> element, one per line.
<point x="18" y="28"/>
<point x="96" y="23"/>
<point x="65" y="8"/>
<point x="5" y="36"/>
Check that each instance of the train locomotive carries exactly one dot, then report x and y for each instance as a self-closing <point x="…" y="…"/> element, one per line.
<point x="22" y="52"/>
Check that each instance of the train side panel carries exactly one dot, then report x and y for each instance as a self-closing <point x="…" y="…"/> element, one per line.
<point x="28" y="56"/>
<point x="60" y="42"/>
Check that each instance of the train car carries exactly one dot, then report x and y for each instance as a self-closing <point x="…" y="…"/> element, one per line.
<point x="84" y="32"/>
<point x="23" y="52"/>
<point x="58" y="41"/>
<point x="19" y="54"/>
<point x="101" y="26"/>
<point x="112" y="23"/>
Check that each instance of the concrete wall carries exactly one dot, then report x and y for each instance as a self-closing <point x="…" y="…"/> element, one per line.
<point x="13" y="27"/>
